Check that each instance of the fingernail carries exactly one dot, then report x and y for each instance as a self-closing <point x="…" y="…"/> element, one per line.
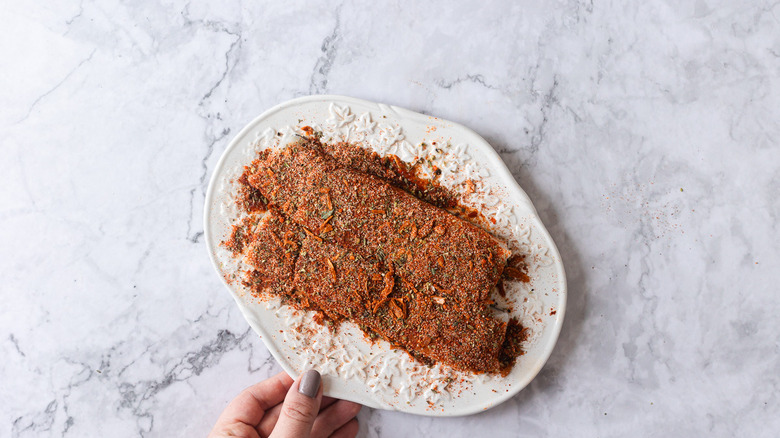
<point x="310" y="383"/>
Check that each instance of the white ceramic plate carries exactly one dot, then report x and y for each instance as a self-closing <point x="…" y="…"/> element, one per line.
<point x="353" y="369"/>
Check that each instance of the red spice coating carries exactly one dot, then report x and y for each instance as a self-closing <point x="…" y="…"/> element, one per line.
<point x="463" y="335"/>
<point x="343" y="239"/>
<point x="392" y="170"/>
<point x="272" y="251"/>
<point x="427" y="246"/>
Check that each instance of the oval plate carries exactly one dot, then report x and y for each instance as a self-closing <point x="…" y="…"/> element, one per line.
<point x="374" y="374"/>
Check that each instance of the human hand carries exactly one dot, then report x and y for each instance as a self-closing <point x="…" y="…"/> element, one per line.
<point x="282" y="408"/>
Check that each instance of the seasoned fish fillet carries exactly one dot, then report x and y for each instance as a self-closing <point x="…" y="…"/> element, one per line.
<point x="427" y="247"/>
<point x="463" y="335"/>
<point x="344" y="285"/>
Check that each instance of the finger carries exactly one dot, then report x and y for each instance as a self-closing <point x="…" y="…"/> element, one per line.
<point x="271" y="392"/>
<point x="348" y="430"/>
<point x="333" y="418"/>
<point x="272" y="416"/>
<point x="300" y="407"/>
<point x="269" y="420"/>
<point x="250" y="406"/>
<point x="327" y="401"/>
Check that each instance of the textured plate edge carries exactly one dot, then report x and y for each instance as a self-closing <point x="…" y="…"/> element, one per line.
<point x="506" y="176"/>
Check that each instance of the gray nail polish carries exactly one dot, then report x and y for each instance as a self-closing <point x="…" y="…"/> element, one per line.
<point x="310" y="383"/>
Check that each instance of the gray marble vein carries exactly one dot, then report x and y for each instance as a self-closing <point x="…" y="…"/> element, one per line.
<point x="646" y="134"/>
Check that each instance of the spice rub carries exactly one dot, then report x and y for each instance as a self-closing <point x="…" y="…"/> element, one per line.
<point x="270" y="247"/>
<point x="425" y="245"/>
<point x="463" y="335"/>
<point x="393" y="171"/>
<point x="350" y="235"/>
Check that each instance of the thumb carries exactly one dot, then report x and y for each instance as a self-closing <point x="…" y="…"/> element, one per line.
<point x="300" y="407"/>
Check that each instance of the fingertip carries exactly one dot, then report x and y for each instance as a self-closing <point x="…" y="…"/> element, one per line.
<point x="353" y="407"/>
<point x="310" y="384"/>
<point x="327" y="401"/>
<point x="285" y="379"/>
<point x="300" y="406"/>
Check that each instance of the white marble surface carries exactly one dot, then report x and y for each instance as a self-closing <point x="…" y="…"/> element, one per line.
<point x="645" y="132"/>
